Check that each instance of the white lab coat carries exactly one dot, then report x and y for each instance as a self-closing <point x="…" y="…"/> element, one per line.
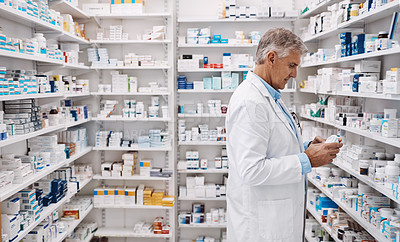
<point x="266" y="188"/>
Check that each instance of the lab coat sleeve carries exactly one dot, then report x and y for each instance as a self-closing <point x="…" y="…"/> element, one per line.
<point x="306" y="144"/>
<point x="248" y="142"/>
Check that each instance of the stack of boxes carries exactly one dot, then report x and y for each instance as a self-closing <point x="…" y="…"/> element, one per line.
<point x="198" y="216"/>
<point x="119" y="82"/>
<point x="126" y="168"/>
<point x="145" y="167"/>
<point x="158" y="33"/>
<point x="201" y="133"/>
<point x="195" y="188"/>
<point x="74" y="139"/>
<point x="228" y="80"/>
<point x="134" y="7"/>
<point x="198" y="36"/>
<point x="47" y="148"/>
<point x="155" y="139"/>
<point x="160" y="227"/>
<point x="140" y="195"/>
<point x="14" y="171"/>
<point x="116" y="33"/>
<point x="107" y="106"/>
<point x="391" y="85"/>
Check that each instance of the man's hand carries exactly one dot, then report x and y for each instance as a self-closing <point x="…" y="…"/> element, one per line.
<point x="317" y="140"/>
<point x="321" y="154"/>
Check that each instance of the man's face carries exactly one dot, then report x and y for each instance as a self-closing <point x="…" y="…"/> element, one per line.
<point x="283" y="69"/>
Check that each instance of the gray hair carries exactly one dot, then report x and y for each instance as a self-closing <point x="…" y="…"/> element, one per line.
<point x="280" y="40"/>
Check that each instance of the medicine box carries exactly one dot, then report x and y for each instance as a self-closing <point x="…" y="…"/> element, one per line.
<point x="367" y="66"/>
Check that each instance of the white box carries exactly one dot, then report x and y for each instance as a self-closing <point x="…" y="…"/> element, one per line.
<point x="11" y="206"/>
<point x="130" y="195"/>
<point x="367" y="66"/>
<point x="390" y="87"/>
<point x="93" y="9"/>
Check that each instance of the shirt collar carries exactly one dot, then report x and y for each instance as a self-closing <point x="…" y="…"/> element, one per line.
<point x="274" y="93"/>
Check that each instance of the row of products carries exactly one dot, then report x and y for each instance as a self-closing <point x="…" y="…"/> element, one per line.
<point x="159" y="226"/>
<point x="134" y="7"/>
<point x="133" y="109"/>
<point x="228" y="9"/>
<point x="19" y="82"/>
<point x="75" y="140"/>
<point x="189" y="62"/>
<point x="25" y="207"/>
<point x="100" y="58"/>
<point x="127" y="167"/>
<point x="199" y="216"/>
<point x="339" y="13"/>
<point x="383" y="123"/>
<point x="364" y="78"/>
<point x="115" y="33"/>
<point x="83" y="231"/>
<point x="215" y="108"/>
<point x="196" y="188"/>
<point x="223" y="238"/>
<point x="342" y="226"/>
<point x="382" y="168"/>
<point x="38" y="46"/>
<point x="200" y="133"/>
<point x="351" y="45"/>
<point x="193" y="161"/>
<point x="140" y="195"/>
<point x="227" y="80"/>
<point x="156" y="139"/>
<point x="40" y="9"/>
<point x="361" y="199"/>
<point x="203" y="36"/>
<point x="128" y="84"/>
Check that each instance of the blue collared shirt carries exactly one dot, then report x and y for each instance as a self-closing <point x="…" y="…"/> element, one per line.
<point x="304" y="160"/>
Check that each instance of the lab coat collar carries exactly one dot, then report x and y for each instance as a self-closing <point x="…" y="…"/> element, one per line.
<point x="276" y="94"/>
<point x="256" y="81"/>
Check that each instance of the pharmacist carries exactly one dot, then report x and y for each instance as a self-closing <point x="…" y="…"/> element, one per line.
<point x="267" y="158"/>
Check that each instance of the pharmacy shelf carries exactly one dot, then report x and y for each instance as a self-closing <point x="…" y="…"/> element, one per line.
<point x="208" y="171"/>
<point x="234" y="20"/>
<point x="392" y="51"/>
<point x="230" y="91"/>
<point x="131" y="68"/>
<point x="25" y="19"/>
<point x="217" y="45"/>
<point x="127" y="233"/>
<point x="73" y="224"/>
<point x="202" y="115"/>
<point x="395" y="142"/>
<point x="357" y="94"/>
<point x="42" y="59"/>
<point x="76" y="156"/>
<point x="14" y="188"/>
<point x="330" y="33"/>
<point x="68" y="37"/>
<point x="17" y="138"/>
<point x="203" y="226"/>
<point x="132" y="178"/>
<point x="321" y="7"/>
<point x="130" y="93"/>
<point x="67" y="8"/>
<point x="213" y="70"/>
<point x="72" y="124"/>
<point x="134" y="206"/>
<point x="133" y="16"/>
<point x="317" y="217"/>
<point x="205" y="143"/>
<point x="356" y="216"/>
<point x="114" y="42"/>
<point x="75" y="66"/>
<point x="135" y="147"/>
<point x="39" y="175"/>
<point x="72" y="95"/>
<point x="113" y="119"/>
<point x="366" y="179"/>
<point x="29" y="96"/>
<point x="202" y="199"/>
<point x="371" y="16"/>
<point x="45" y="213"/>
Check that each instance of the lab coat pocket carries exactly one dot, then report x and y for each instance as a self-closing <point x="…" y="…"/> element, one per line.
<point x="275" y="219"/>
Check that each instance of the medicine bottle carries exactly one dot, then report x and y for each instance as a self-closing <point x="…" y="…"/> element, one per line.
<point x="392" y="172"/>
<point x="53" y="116"/>
<point x="42" y="43"/>
<point x="380" y="175"/>
<point x="364" y="168"/>
<point x="383" y="43"/>
<point x="354" y="11"/>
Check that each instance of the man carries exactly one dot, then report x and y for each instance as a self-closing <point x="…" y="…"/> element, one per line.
<point x="267" y="158"/>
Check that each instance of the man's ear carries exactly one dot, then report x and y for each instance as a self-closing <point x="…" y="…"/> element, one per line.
<point x="271" y="57"/>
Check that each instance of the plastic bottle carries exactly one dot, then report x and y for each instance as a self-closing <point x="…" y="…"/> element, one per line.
<point x="380" y="175"/>
<point x="42" y="43"/>
<point x="53" y="116"/>
<point x="392" y="172"/>
<point x="354" y="11"/>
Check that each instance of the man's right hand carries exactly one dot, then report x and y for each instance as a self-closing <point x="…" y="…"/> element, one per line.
<point x="322" y="153"/>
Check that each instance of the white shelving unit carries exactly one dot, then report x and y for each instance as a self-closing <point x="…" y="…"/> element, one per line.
<point x="63" y="6"/>
<point x="208" y="171"/>
<point x="323" y="225"/>
<point x="144" y="68"/>
<point x="231" y="20"/>
<point x="127" y="233"/>
<point x="319" y="8"/>
<point x="135" y="206"/>
<point x="198" y="143"/>
<point x="112" y="119"/>
<point x="132" y="178"/>
<point x="356" y="94"/>
<point x="203" y="226"/>
<point x="202" y="199"/>
<point x="130" y="94"/>
<point x="353" y="214"/>
<point x="133" y="16"/>
<point x="135" y="147"/>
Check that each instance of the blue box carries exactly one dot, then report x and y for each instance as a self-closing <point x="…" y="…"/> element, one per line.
<point x="215" y="41"/>
<point x="224" y="41"/>
<point x="217" y="36"/>
<point x="217" y="83"/>
<point x="207" y="83"/>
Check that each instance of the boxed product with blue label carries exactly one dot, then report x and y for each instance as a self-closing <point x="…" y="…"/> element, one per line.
<point x="11" y="206"/>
